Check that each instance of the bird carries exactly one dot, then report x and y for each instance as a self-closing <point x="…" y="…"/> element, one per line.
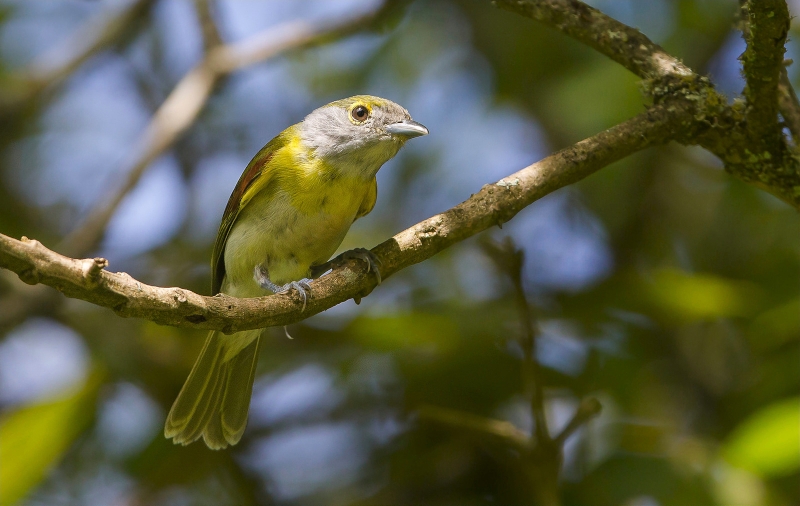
<point x="286" y="217"/>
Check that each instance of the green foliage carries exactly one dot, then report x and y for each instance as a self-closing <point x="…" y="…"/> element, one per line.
<point x="767" y="443"/>
<point x="34" y="438"/>
<point x="685" y="297"/>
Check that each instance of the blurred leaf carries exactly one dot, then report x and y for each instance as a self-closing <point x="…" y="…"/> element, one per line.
<point x="768" y="442"/>
<point x="163" y="464"/>
<point x="623" y="478"/>
<point x="776" y="326"/>
<point x="736" y="486"/>
<point x="437" y="332"/>
<point x="775" y="376"/>
<point x="581" y="99"/>
<point x="33" y="438"/>
<point x="691" y="297"/>
<point x="391" y="15"/>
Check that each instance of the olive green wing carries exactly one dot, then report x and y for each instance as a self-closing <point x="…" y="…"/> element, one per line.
<point x="255" y="177"/>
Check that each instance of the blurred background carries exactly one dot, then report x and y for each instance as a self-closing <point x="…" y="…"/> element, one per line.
<point x="661" y="286"/>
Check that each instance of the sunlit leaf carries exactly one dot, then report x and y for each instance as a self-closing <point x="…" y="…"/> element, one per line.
<point x="691" y="297"/>
<point x="768" y="442"/>
<point x="33" y="438"/>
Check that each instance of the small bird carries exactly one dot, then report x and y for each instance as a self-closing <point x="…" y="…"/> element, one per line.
<point x="286" y="217"/>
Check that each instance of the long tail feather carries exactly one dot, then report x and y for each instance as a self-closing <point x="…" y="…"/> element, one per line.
<point x="238" y="391"/>
<point x="215" y="400"/>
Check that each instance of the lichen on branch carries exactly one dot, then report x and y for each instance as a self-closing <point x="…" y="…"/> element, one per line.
<point x="767" y="25"/>
<point x="746" y="136"/>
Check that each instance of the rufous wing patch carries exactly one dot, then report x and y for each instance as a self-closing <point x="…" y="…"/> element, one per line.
<point x="250" y="175"/>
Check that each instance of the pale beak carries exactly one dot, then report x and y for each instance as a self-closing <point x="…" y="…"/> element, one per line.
<point x="407" y="128"/>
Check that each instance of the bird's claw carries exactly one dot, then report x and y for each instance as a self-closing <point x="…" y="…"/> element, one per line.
<point x="373" y="262"/>
<point x="303" y="287"/>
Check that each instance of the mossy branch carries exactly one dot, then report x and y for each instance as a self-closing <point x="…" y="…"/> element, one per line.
<point x="767" y="25"/>
<point x="745" y="136"/>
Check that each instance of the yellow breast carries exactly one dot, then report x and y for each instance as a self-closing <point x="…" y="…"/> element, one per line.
<point x="297" y="220"/>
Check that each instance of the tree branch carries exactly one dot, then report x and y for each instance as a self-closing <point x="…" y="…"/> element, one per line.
<point x="502" y="430"/>
<point x="749" y="139"/>
<point x="728" y="133"/>
<point x="540" y="453"/>
<point x="767" y="26"/>
<point x="493" y="205"/>
<point x="588" y="409"/>
<point x="187" y="99"/>
<point x="205" y="15"/>
<point x="510" y="260"/>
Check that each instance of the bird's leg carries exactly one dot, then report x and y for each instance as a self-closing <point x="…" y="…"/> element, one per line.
<point x="373" y="262"/>
<point x="261" y="276"/>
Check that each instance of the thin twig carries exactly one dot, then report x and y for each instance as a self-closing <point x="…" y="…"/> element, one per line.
<point x="510" y="260"/>
<point x="187" y="99"/>
<point x="504" y="431"/>
<point x="494" y="204"/>
<point x="588" y="409"/>
<point x="789" y="105"/>
<point x="205" y="14"/>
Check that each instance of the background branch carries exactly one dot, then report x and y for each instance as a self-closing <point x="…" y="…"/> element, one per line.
<point x="62" y="60"/>
<point x="205" y="13"/>
<point x="588" y="409"/>
<point x="510" y="260"/>
<point x="789" y="105"/>
<point x="504" y="431"/>
<point x="104" y="29"/>
<point x="540" y="454"/>
<point x="543" y="460"/>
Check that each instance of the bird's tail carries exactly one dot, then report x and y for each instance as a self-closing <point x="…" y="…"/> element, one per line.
<point x="215" y="399"/>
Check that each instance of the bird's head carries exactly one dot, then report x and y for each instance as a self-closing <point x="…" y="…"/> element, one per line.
<point x="358" y="133"/>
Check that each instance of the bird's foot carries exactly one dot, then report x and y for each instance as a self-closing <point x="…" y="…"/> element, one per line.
<point x="373" y="262"/>
<point x="303" y="287"/>
<point x="373" y="265"/>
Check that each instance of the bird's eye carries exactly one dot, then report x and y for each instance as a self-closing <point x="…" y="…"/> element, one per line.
<point x="359" y="113"/>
